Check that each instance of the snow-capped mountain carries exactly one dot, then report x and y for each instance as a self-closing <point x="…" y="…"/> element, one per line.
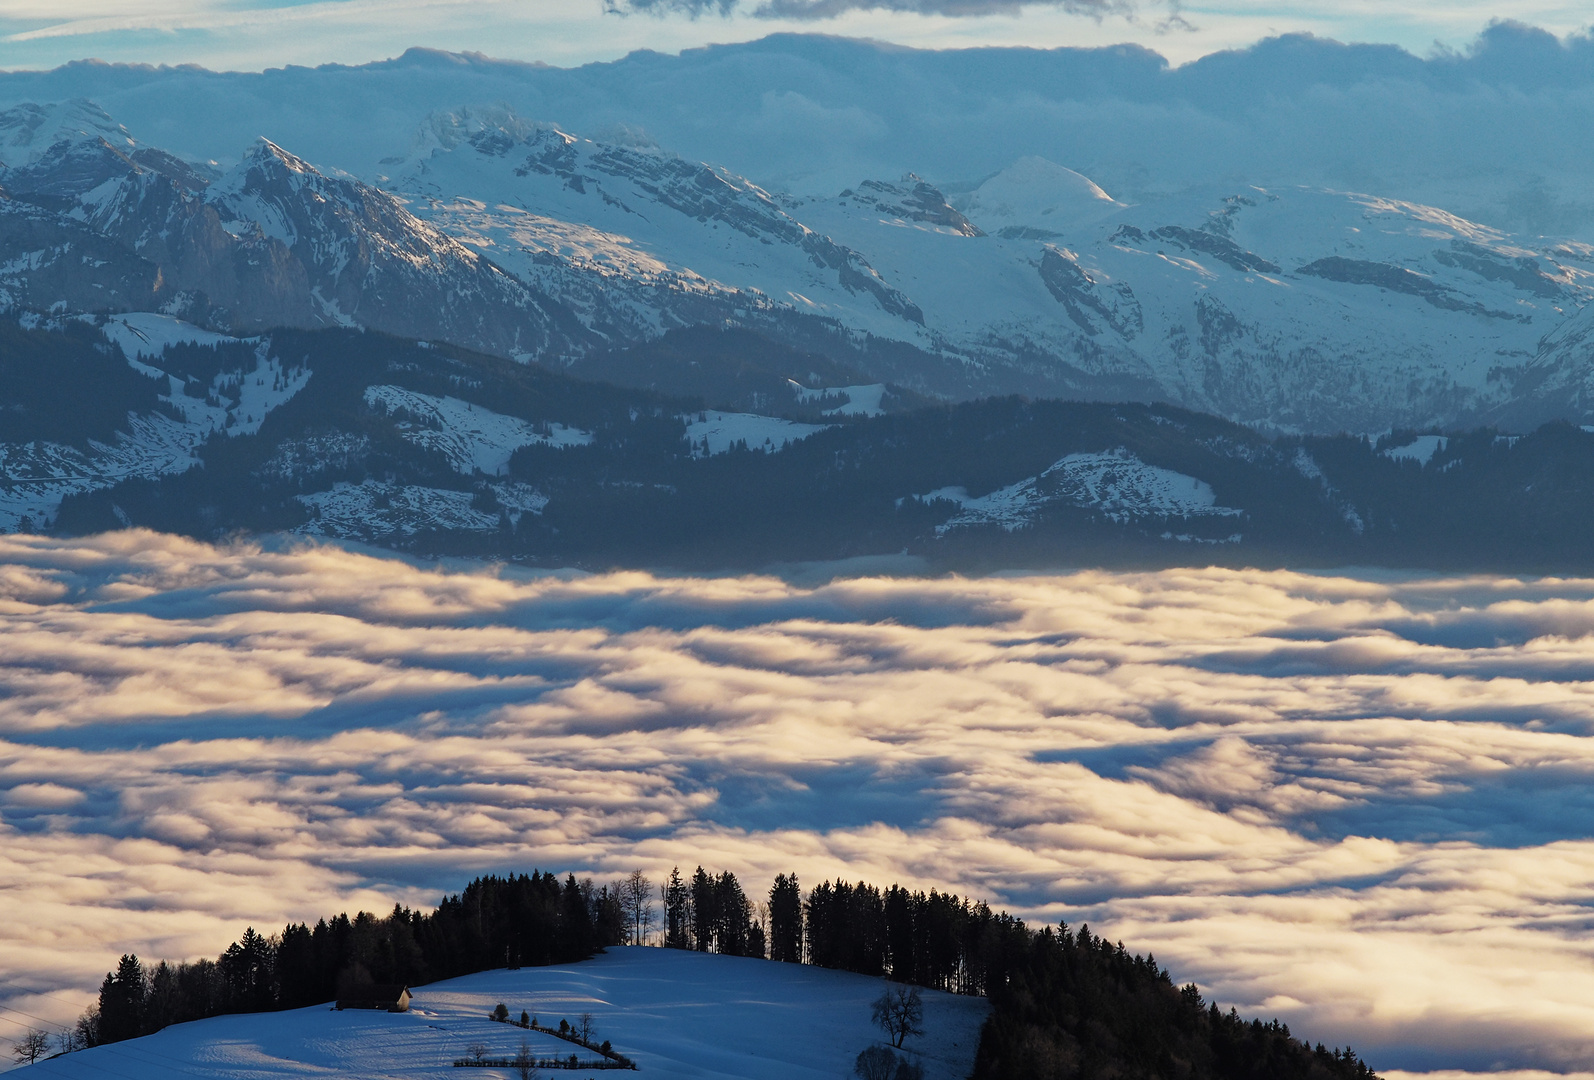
<point x="1295" y="309"/>
<point x="1303" y="309"/>
<point x="1299" y="308"/>
<point x="30" y="130"/>
<point x="1035" y="196"/>
<point x="273" y="242"/>
<point x="633" y="238"/>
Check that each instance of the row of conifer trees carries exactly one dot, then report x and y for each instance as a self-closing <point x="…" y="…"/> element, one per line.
<point x="1065" y="1004"/>
<point x="494" y="922"/>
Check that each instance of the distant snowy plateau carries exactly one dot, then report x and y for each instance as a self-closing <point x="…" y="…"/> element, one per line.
<point x="1290" y="309"/>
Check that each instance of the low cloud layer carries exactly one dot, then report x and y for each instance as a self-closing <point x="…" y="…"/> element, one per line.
<point x="1358" y="805"/>
<point x="830" y="9"/>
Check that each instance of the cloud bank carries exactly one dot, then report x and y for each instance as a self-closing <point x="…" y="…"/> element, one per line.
<point x="1359" y="805"/>
<point x="831" y="9"/>
<point x="1501" y="132"/>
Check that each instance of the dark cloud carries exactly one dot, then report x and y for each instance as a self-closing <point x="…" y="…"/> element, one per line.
<point x="830" y="9"/>
<point x="690" y="8"/>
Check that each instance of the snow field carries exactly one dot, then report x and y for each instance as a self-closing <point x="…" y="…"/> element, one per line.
<point x="473" y="438"/>
<point x="1039" y="194"/>
<point x="144" y="335"/>
<point x="1421" y="449"/>
<point x="720" y="431"/>
<point x="679" y="1015"/>
<point x="1116" y="482"/>
<point x="861" y="400"/>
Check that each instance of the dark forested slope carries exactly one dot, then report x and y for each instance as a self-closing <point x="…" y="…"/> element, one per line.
<point x="1065" y="1005"/>
<point x="393" y="442"/>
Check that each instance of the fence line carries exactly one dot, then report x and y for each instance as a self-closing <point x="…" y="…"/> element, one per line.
<point x="540" y="1063"/>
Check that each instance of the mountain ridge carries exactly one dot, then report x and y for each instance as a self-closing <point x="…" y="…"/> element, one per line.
<point x="1297" y="309"/>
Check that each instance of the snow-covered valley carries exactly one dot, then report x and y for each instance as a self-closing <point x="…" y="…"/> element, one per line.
<point x="680" y="1015"/>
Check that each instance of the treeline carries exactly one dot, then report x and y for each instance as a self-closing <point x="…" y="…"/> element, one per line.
<point x="1069" y="1005"/>
<point x="1066" y="1005"/>
<point x="711" y="913"/>
<point x="929" y="939"/>
<point x="494" y="922"/>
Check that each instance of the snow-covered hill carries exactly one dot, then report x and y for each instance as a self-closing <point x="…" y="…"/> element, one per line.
<point x="678" y="1014"/>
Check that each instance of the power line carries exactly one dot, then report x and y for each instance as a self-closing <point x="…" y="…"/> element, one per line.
<point x="177" y="1064"/>
<point x="35" y="993"/>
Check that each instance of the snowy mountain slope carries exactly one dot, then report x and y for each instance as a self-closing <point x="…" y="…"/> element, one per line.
<point x="473" y="439"/>
<point x="1309" y="309"/>
<point x="665" y="232"/>
<point x="274" y="242"/>
<point x="843" y="400"/>
<point x="1033" y="196"/>
<point x="678" y="1014"/>
<point x="39" y="473"/>
<point x="29" y="130"/>
<point x="718" y="432"/>
<point x="1303" y="309"/>
<point x="1297" y="309"/>
<point x="370" y="263"/>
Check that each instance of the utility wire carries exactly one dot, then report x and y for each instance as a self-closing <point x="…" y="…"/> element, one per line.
<point x="176" y="1063"/>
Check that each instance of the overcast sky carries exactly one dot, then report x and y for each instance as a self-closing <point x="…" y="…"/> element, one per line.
<point x="256" y="34"/>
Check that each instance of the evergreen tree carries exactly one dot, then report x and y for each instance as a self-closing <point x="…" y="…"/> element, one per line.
<point x="122" y="1000"/>
<point x="247" y="968"/>
<point x="786" y="920"/>
<point x="677" y="923"/>
<point x="579" y="936"/>
<point x="610" y="920"/>
<point x="732" y="916"/>
<point x="703" y="911"/>
<point x="162" y="1006"/>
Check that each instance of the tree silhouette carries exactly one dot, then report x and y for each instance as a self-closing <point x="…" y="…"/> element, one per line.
<point x="900" y="1012"/>
<point x="31" y="1047"/>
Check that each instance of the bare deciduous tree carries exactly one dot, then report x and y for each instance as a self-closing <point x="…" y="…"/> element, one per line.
<point x="900" y="1011"/>
<point x="525" y="1065"/>
<point x="31" y="1047"/>
<point x="636" y="900"/>
<point x="477" y="1050"/>
<point x="875" y="1063"/>
<point x="584" y="1028"/>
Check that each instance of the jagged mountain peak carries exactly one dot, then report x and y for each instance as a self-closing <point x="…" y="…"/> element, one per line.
<point x="268" y="187"/>
<point x="68" y="169"/>
<point x="274" y="160"/>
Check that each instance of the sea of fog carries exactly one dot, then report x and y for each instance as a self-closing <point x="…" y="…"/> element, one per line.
<point x="1359" y="802"/>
